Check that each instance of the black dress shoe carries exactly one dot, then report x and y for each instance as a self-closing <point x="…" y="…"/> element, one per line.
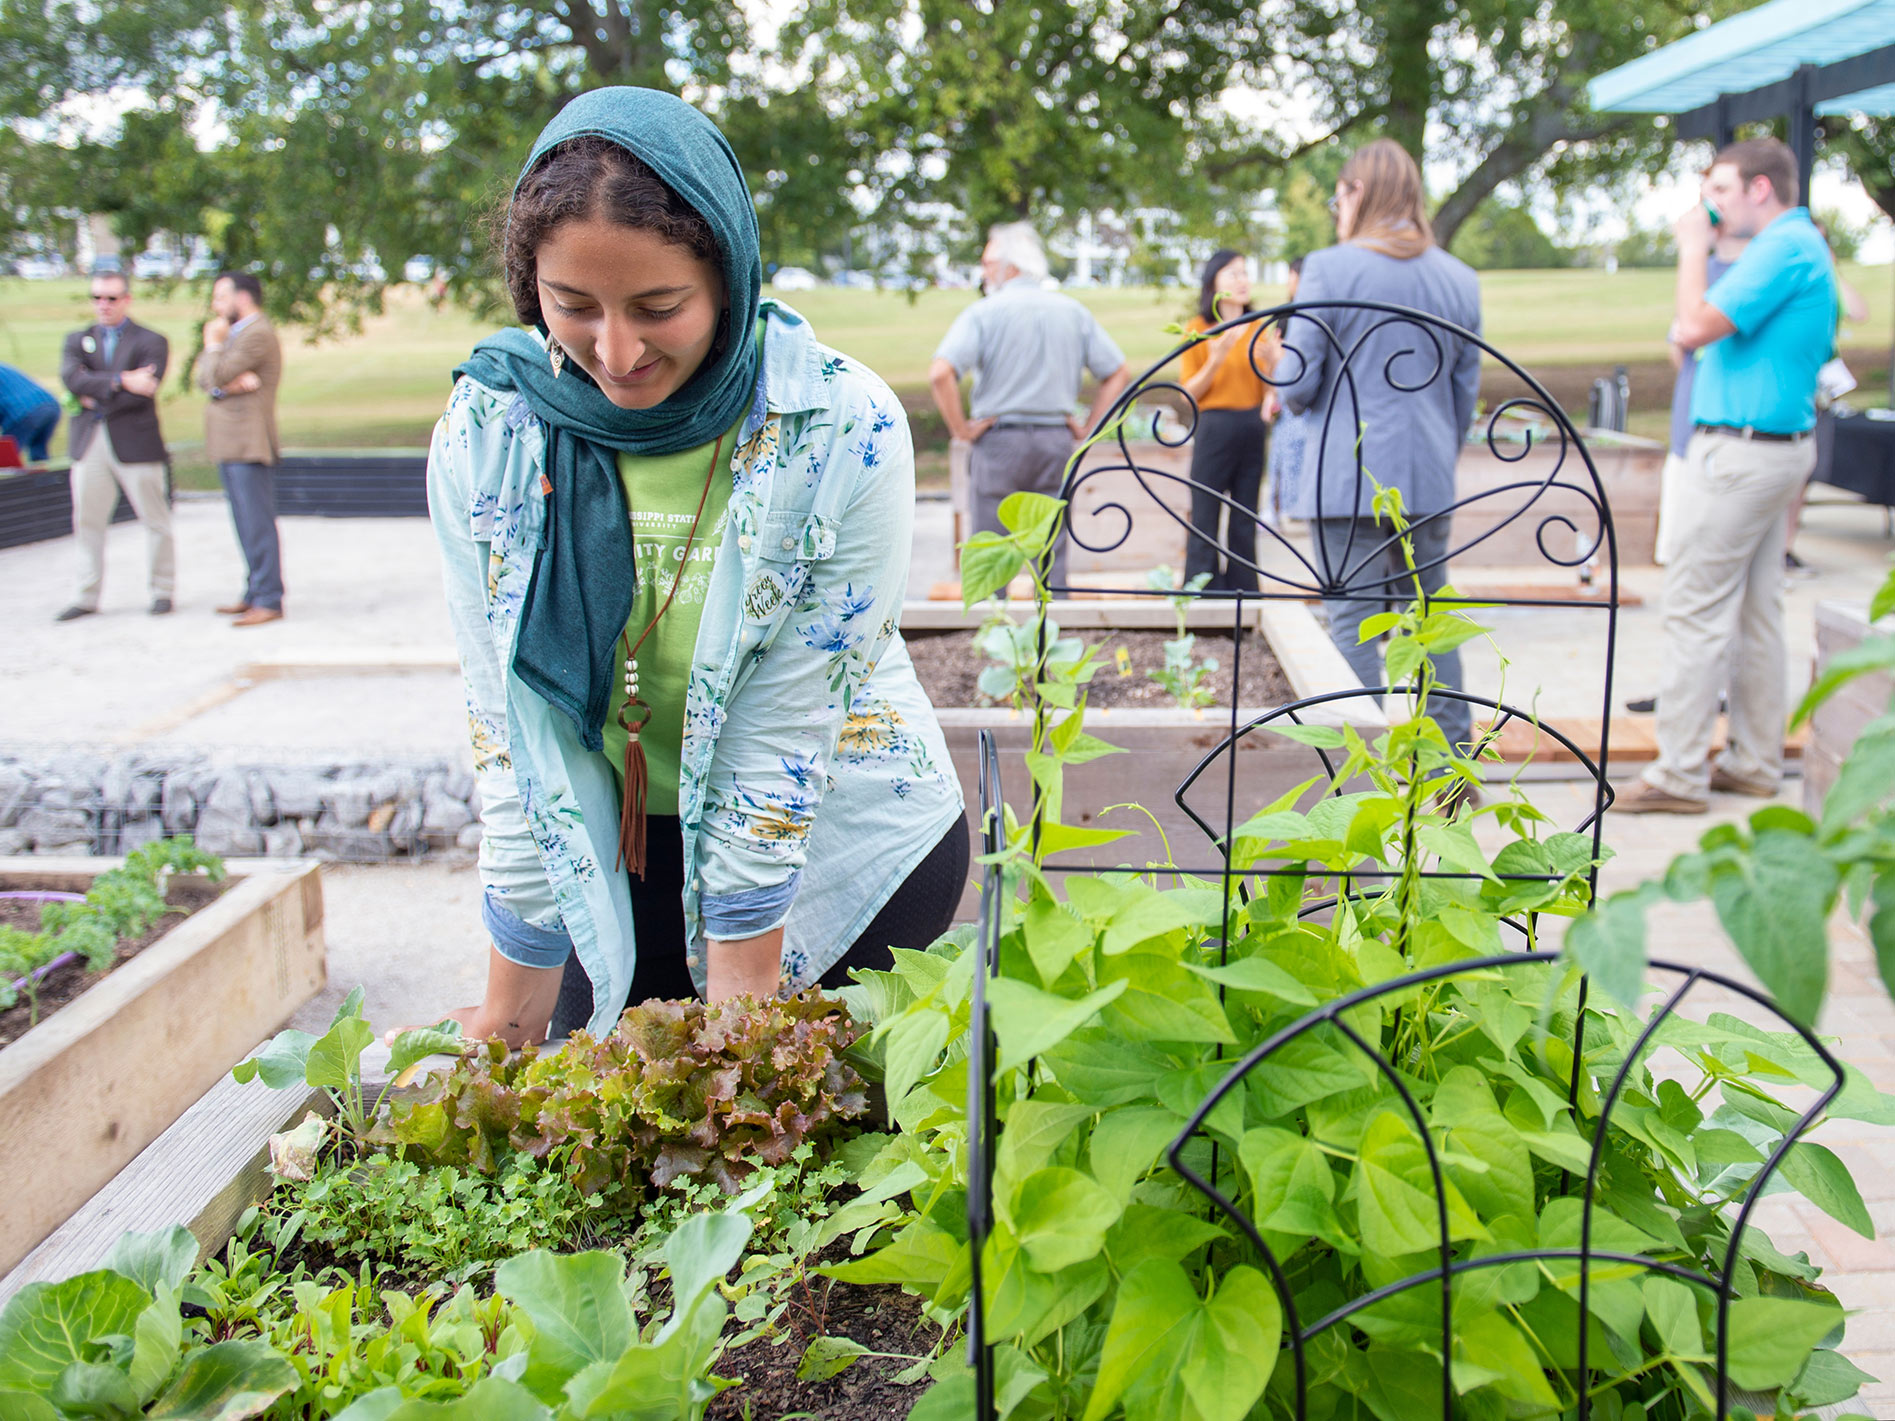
<point x="160" y="606"/>
<point x="74" y="613"/>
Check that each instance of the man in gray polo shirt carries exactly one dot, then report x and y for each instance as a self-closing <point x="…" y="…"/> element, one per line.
<point x="1028" y="348"/>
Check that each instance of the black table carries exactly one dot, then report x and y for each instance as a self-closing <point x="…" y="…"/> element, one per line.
<point x="1857" y="452"/>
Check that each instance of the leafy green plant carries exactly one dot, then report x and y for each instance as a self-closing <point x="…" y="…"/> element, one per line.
<point x="332" y="1063"/>
<point x="574" y="1347"/>
<point x="677" y="1090"/>
<point x="1776" y="880"/>
<point x="771" y="1294"/>
<point x="345" y="1337"/>
<point x="109" y="1343"/>
<point x="1121" y="1001"/>
<point x="1015" y="649"/>
<point x="1183" y="675"/>
<point x="435" y="1221"/>
<point x="123" y="902"/>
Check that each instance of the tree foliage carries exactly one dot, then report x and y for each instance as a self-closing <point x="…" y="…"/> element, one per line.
<point x="323" y="142"/>
<point x="1505" y="237"/>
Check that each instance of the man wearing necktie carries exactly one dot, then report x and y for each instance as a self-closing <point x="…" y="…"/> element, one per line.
<point x="114" y="369"/>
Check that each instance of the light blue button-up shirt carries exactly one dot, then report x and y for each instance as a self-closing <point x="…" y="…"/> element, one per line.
<point x="814" y="776"/>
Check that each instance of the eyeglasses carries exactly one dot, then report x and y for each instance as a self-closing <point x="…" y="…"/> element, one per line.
<point x="1334" y="205"/>
<point x="108" y="300"/>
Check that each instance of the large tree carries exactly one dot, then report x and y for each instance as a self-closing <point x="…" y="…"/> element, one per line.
<point x="1007" y="110"/>
<point x="314" y="139"/>
<point x="1496" y="87"/>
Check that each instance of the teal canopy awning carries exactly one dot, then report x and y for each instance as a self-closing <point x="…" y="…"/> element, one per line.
<point x="1797" y="59"/>
<point x="1844" y="50"/>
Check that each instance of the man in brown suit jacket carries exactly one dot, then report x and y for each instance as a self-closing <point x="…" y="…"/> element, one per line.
<point x="115" y="368"/>
<point x="240" y="368"/>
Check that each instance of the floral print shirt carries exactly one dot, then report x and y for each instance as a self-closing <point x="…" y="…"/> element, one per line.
<point x="813" y="775"/>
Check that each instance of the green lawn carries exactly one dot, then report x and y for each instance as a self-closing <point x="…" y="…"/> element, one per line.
<point x="385" y="386"/>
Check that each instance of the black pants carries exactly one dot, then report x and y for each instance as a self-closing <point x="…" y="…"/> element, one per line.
<point x="1227" y="455"/>
<point x="920" y="911"/>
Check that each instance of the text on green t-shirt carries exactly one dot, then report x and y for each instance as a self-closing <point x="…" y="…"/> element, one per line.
<point x="662" y="493"/>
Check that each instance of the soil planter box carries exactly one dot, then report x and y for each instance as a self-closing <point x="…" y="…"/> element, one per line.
<point x="94" y="1083"/>
<point x="1163" y="743"/>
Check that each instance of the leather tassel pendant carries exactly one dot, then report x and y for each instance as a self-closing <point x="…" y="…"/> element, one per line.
<point x="633" y="717"/>
<point x="632" y="809"/>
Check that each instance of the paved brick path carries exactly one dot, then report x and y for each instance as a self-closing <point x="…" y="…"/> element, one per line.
<point x="1858" y="1018"/>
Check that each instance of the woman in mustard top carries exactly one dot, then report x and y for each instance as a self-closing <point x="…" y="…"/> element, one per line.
<point x="1227" y="449"/>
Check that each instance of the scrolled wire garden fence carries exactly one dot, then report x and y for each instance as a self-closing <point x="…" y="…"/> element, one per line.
<point x="1406" y="351"/>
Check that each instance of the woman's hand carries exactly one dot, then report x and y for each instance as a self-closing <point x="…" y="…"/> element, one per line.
<point x="1223" y="345"/>
<point x="518" y="1007"/>
<point x="745" y="967"/>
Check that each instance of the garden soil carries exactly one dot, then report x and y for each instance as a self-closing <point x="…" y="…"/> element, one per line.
<point x="949" y="667"/>
<point x="65" y="984"/>
<point x="882" y="1319"/>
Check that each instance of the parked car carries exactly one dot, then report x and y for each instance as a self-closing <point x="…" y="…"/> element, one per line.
<point x="203" y="266"/>
<point x="417" y="270"/>
<point x="155" y="265"/>
<point x="104" y="265"/>
<point x="857" y="280"/>
<point x="40" y="268"/>
<point x="794" y="278"/>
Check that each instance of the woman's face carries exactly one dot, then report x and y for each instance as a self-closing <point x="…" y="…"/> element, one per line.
<point x="1232" y="285"/>
<point x="1348" y="200"/>
<point x="637" y="313"/>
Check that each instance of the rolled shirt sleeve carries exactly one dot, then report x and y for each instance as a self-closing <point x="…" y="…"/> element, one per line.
<point x="519" y="941"/>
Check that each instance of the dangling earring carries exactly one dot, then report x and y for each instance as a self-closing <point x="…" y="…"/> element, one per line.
<point x="555" y="355"/>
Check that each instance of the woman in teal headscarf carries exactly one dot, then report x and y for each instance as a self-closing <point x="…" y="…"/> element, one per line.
<point x="676" y="533"/>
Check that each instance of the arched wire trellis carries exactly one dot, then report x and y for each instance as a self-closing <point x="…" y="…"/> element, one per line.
<point x="1410" y="352"/>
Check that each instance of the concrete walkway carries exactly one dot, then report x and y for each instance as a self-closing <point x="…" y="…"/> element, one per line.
<point x="367" y="592"/>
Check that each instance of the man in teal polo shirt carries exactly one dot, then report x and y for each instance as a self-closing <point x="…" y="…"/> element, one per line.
<point x="1765" y="328"/>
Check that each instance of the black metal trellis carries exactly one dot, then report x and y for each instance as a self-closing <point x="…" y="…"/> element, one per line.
<point x="1409" y="352"/>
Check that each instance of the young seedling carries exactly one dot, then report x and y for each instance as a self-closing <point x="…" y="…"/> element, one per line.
<point x="332" y="1062"/>
<point x="1184" y="675"/>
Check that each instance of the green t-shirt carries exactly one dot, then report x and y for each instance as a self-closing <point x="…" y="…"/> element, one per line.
<point x="662" y="493"/>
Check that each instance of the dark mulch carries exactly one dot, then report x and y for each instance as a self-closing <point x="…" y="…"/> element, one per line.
<point x="949" y="667"/>
<point x="883" y="1319"/>
<point x="65" y="984"/>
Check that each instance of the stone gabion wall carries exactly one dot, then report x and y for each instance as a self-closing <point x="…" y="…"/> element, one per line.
<point x="80" y="802"/>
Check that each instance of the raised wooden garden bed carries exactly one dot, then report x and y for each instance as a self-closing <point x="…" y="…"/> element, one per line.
<point x="372" y="483"/>
<point x="1839" y="720"/>
<point x="1162" y="741"/>
<point x="37" y="506"/>
<point x="101" y="1078"/>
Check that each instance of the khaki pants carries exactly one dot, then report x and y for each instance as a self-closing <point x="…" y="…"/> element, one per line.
<point x="1671" y="510"/>
<point x="96" y="479"/>
<point x="1724" y="611"/>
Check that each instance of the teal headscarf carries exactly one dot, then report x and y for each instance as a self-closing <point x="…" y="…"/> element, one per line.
<point x="583" y="582"/>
